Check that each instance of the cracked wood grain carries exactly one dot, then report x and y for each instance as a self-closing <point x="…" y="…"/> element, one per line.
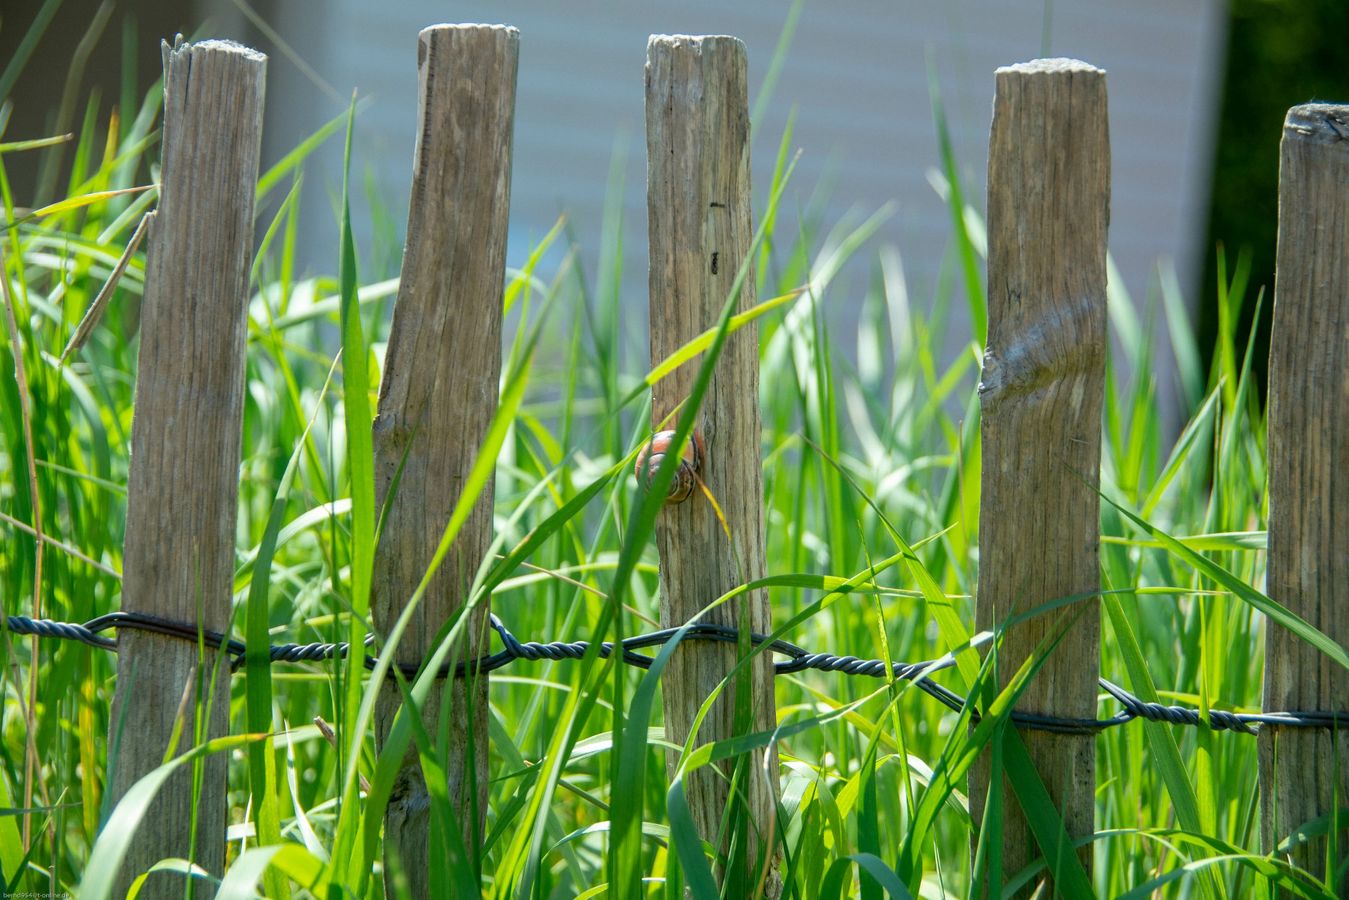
<point x="436" y="402"/>
<point x="1041" y="397"/>
<point x="182" y="491"/>
<point x="1303" y="770"/>
<point x="698" y="196"/>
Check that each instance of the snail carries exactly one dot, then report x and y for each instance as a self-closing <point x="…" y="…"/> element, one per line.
<point x="686" y="476"/>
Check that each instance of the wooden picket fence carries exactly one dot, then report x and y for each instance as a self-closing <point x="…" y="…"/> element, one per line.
<point x="1042" y="395"/>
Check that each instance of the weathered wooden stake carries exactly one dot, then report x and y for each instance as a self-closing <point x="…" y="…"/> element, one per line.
<point x="184" y="477"/>
<point x="1302" y="769"/>
<point x="698" y="201"/>
<point x="1041" y="396"/>
<point x="437" y="399"/>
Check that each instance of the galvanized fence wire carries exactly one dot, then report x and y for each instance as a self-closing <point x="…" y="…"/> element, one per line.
<point x="798" y="659"/>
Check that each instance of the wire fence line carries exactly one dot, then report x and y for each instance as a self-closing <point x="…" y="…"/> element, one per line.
<point x="798" y="659"/>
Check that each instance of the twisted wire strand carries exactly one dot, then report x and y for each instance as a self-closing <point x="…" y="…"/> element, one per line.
<point x="798" y="660"/>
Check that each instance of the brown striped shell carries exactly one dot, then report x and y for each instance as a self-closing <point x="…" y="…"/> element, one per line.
<point x="686" y="476"/>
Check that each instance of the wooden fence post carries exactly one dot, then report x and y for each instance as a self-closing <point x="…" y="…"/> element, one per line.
<point x="1041" y="397"/>
<point x="1301" y="769"/>
<point x="698" y="202"/>
<point x="437" y="398"/>
<point x="184" y="477"/>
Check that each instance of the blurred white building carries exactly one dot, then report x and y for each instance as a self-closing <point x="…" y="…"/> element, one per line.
<point x="856" y="75"/>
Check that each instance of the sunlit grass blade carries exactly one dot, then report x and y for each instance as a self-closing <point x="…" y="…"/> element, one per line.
<point x="1044" y="819"/>
<point x="94" y="314"/>
<point x="274" y="864"/>
<point x="1183" y="344"/>
<point x="1276" y="612"/>
<point x="962" y="748"/>
<point x="705" y="340"/>
<point x="13" y="859"/>
<point x="258" y="677"/>
<point x="125" y="818"/>
<point x="34" y="144"/>
<point x="361" y="480"/>
<point x="875" y="868"/>
<point x="77" y="202"/>
<point x="955" y="203"/>
<point x="282" y="169"/>
<point x="952" y="629"/>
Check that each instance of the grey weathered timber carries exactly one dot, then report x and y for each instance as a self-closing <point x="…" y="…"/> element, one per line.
<point x="1309" y="478"/>
<point x="1041" y="397"/>
<point x="436" y="401"/>
<point x="698" y="201"/>
<point x="184" y="477"/>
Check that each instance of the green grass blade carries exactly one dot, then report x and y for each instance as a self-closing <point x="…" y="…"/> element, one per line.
<point x="883" y="877"/>
<point x="120" y="828"/>
<point x="1276" y="612"/>
<point x="361" y="478"/>
<point x="27" y="44"/>
<point x="955" y="204"/>
<point x="279" y="864"/>
<point x="1045" y="822"/>
<point x="293" y="160"/>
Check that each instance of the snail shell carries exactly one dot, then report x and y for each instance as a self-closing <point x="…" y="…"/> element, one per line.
<point x="686" y="476"/>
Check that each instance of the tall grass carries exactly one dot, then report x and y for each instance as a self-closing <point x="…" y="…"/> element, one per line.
<point x="871" y="471"/>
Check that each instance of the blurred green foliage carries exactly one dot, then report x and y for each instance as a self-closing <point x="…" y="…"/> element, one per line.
<point x="1279" y="53"/>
